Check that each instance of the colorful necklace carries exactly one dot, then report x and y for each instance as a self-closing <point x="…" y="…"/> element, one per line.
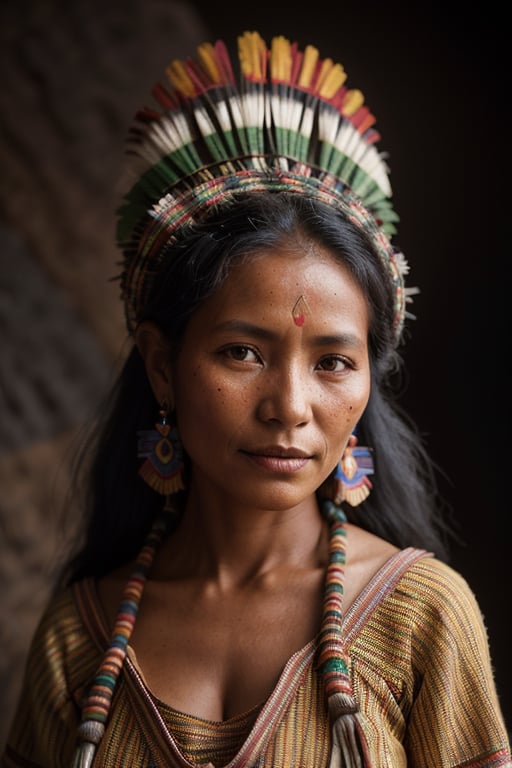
<point x="332" y="658"/>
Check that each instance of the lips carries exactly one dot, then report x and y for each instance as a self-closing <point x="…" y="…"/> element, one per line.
<point x="279" y="459"/>
<point x="279" y="452"/>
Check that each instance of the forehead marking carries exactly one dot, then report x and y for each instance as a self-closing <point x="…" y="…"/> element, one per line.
<point x="300" y="310"/>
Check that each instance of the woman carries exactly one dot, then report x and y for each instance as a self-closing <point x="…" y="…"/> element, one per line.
<point x="263" y="580"/>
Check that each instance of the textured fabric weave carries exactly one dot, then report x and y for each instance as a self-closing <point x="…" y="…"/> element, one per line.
<point x="420" y="669"/>
<point x="202" y="740"/>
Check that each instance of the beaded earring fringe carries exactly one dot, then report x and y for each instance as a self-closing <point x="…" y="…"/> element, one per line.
<point x="351" y="478"/>
<point x="161" y="448"/>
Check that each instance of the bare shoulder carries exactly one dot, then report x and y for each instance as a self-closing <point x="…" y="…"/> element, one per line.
<point x="366" y="554"/>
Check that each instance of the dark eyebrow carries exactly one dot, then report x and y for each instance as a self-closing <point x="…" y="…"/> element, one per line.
<point x="325" y="340"/>
<point x="240" y="326"/>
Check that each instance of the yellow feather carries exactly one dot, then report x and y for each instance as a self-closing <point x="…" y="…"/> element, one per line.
<point x="309" y="63"/>
<point x="352" y="101"/>
<point x="280" y="59"/>
<point x="243" y="54"/>
<point x="208" y="59"/>
<point x="250" y="48"/>
<point x="177" y="73"/>
<point x="331" y="79"/>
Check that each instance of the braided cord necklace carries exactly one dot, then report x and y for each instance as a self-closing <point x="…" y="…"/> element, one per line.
<point x="349" y="746"/>
<point x="332" y="659"/>
<point x="97" y="706"/>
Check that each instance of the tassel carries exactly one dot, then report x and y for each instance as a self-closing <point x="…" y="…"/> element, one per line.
<point x="349" y="746"/>
<point x="345" y="750"/>
<point x="84" y="755"/>
<point x="91" y="732"/>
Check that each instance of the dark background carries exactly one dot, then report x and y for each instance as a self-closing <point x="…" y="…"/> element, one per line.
<point x="434" y="77"/>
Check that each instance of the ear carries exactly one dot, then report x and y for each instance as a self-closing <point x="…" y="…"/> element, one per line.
<point x="155" y="350"/>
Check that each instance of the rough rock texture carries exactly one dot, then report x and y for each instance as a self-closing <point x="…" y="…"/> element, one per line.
<point x="73" y="74"/>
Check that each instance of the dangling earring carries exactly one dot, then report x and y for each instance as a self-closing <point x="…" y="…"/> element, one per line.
<point x="352" y="483"/>
<point x="161" y="447"/>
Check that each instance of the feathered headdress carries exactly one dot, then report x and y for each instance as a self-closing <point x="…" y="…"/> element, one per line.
<point x="286" y="122"/>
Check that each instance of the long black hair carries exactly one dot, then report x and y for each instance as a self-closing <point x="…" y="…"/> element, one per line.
<point x="404" y="506"/>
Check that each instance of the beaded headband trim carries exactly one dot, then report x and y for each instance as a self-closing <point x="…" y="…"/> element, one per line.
<point x="289" y="124"/>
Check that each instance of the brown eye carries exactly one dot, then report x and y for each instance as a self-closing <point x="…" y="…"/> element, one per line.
<point x="333" y="364"/>
<point x="241" y="353"/>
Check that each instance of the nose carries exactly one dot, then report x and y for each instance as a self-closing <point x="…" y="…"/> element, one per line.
<point x="287" y="398"/>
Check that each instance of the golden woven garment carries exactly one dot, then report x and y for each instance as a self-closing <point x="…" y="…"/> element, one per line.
<point x="420" y="670"/>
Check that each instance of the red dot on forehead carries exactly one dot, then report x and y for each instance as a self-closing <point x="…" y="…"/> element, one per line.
<point x="300" y="310"/>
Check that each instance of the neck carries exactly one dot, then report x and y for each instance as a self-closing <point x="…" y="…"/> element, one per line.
<point x="239" y="544"/>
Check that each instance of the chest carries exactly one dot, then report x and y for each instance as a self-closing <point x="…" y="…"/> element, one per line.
<point x="216" y="656"/>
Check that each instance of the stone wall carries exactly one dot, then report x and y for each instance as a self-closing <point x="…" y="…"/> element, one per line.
<point x="73" y="74"/>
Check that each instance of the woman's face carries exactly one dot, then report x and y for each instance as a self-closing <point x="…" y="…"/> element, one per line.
<point x="272" y="376"/>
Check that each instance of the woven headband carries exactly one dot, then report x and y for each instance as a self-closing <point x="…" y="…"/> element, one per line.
<point x="286" y="124"/>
